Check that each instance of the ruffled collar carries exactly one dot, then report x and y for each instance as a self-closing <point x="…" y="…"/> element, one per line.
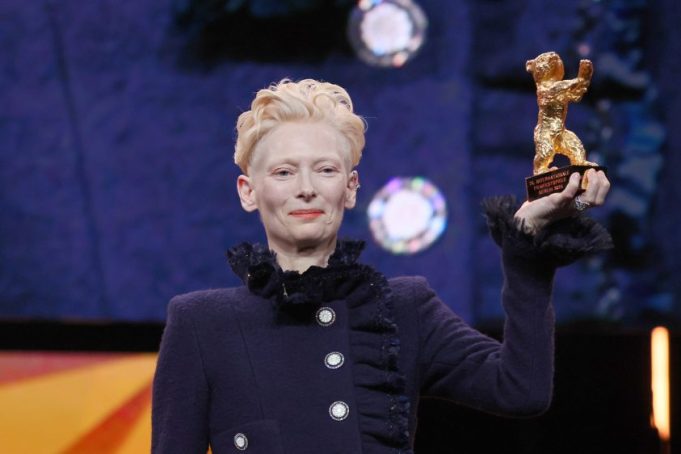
<point x="257" y="267"/>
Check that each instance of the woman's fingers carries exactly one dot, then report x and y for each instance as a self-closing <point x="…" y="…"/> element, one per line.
<point x="567" y="202"/>
<point x="572" y="188"/>
<point x="596" y="189"/>
<point x="559" y="205"/>
<point x="603" y="187"/>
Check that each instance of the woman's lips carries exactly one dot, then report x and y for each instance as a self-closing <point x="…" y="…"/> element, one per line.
<point x="306" y="214"/>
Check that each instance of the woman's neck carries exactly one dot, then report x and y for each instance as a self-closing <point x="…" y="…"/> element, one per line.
<point x="303" y="257"/>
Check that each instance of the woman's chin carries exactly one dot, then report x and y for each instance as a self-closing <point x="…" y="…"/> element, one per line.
<point x="312" y="239"/>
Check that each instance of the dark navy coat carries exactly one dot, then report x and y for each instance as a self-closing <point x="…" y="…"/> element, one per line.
<point x="335" y="360"/>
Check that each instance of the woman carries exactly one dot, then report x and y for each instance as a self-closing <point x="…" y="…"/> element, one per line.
<point x="317" y="353"/>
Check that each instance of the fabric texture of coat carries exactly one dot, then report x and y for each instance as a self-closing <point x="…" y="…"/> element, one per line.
<point x="334" y="360"/>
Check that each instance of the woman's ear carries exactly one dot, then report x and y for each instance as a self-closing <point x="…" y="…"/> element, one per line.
<point x="351" y="190"/>
<point x="244" y="187"/>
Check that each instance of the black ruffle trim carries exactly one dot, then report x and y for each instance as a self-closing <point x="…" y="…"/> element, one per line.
<point x="380" y="385"/>
<point x="257" y="267"/>
<point x="383" y="406"/>
<point x="557" y="244"/>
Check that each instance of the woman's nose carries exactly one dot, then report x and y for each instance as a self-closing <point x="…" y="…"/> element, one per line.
<point x="306" y="189"/>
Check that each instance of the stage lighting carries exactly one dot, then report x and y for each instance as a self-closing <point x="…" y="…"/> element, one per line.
<point x="407" y="215"/>
<point x="387" y="32"/>
<point x="659" y="354"/>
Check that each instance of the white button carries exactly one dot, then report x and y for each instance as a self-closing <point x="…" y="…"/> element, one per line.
<point x="334" y="360"/>
<point x="240" y="441"/>
<point x="326" y="316"/>
<point x="339" y="410"/>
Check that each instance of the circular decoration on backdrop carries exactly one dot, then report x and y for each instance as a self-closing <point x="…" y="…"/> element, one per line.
<point x="387" y="32"/>
<point x="407" y="215"/>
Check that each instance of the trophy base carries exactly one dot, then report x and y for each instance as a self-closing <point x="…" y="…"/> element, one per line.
<point x="546" y="183"/>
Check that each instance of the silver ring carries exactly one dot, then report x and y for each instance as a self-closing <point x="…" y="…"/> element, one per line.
<point x="580" y="205"/>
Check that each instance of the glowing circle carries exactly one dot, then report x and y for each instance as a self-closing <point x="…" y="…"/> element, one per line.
<point x="407" y="215"/>
<point x="386" y="28"/>
<point x="387" y="32"/>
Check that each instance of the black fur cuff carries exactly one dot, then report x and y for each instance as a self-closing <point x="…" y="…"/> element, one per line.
<point x="558" y="244"/>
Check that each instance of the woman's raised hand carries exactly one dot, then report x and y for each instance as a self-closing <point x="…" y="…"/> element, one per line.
<point x="540" y="212"/>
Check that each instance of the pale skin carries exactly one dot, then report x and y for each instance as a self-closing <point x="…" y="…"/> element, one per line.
<point x="300" y="179"/>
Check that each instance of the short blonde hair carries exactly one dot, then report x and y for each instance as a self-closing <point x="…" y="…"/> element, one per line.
<point x="306" y="100"/>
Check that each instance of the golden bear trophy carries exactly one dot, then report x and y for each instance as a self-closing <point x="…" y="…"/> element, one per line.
<point x="550" y="135"/>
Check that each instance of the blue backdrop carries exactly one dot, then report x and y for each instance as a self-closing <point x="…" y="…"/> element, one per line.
<point x="117" y="188"/>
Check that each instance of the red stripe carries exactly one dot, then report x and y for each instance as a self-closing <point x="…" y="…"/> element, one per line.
<point x="108" y="435"/>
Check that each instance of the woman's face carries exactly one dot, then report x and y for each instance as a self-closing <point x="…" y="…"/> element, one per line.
<point x="300" y="180"/>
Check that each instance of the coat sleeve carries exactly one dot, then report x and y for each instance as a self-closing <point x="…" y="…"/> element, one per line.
<point x="513" y="377"/>
<point x="180" y="391"/>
